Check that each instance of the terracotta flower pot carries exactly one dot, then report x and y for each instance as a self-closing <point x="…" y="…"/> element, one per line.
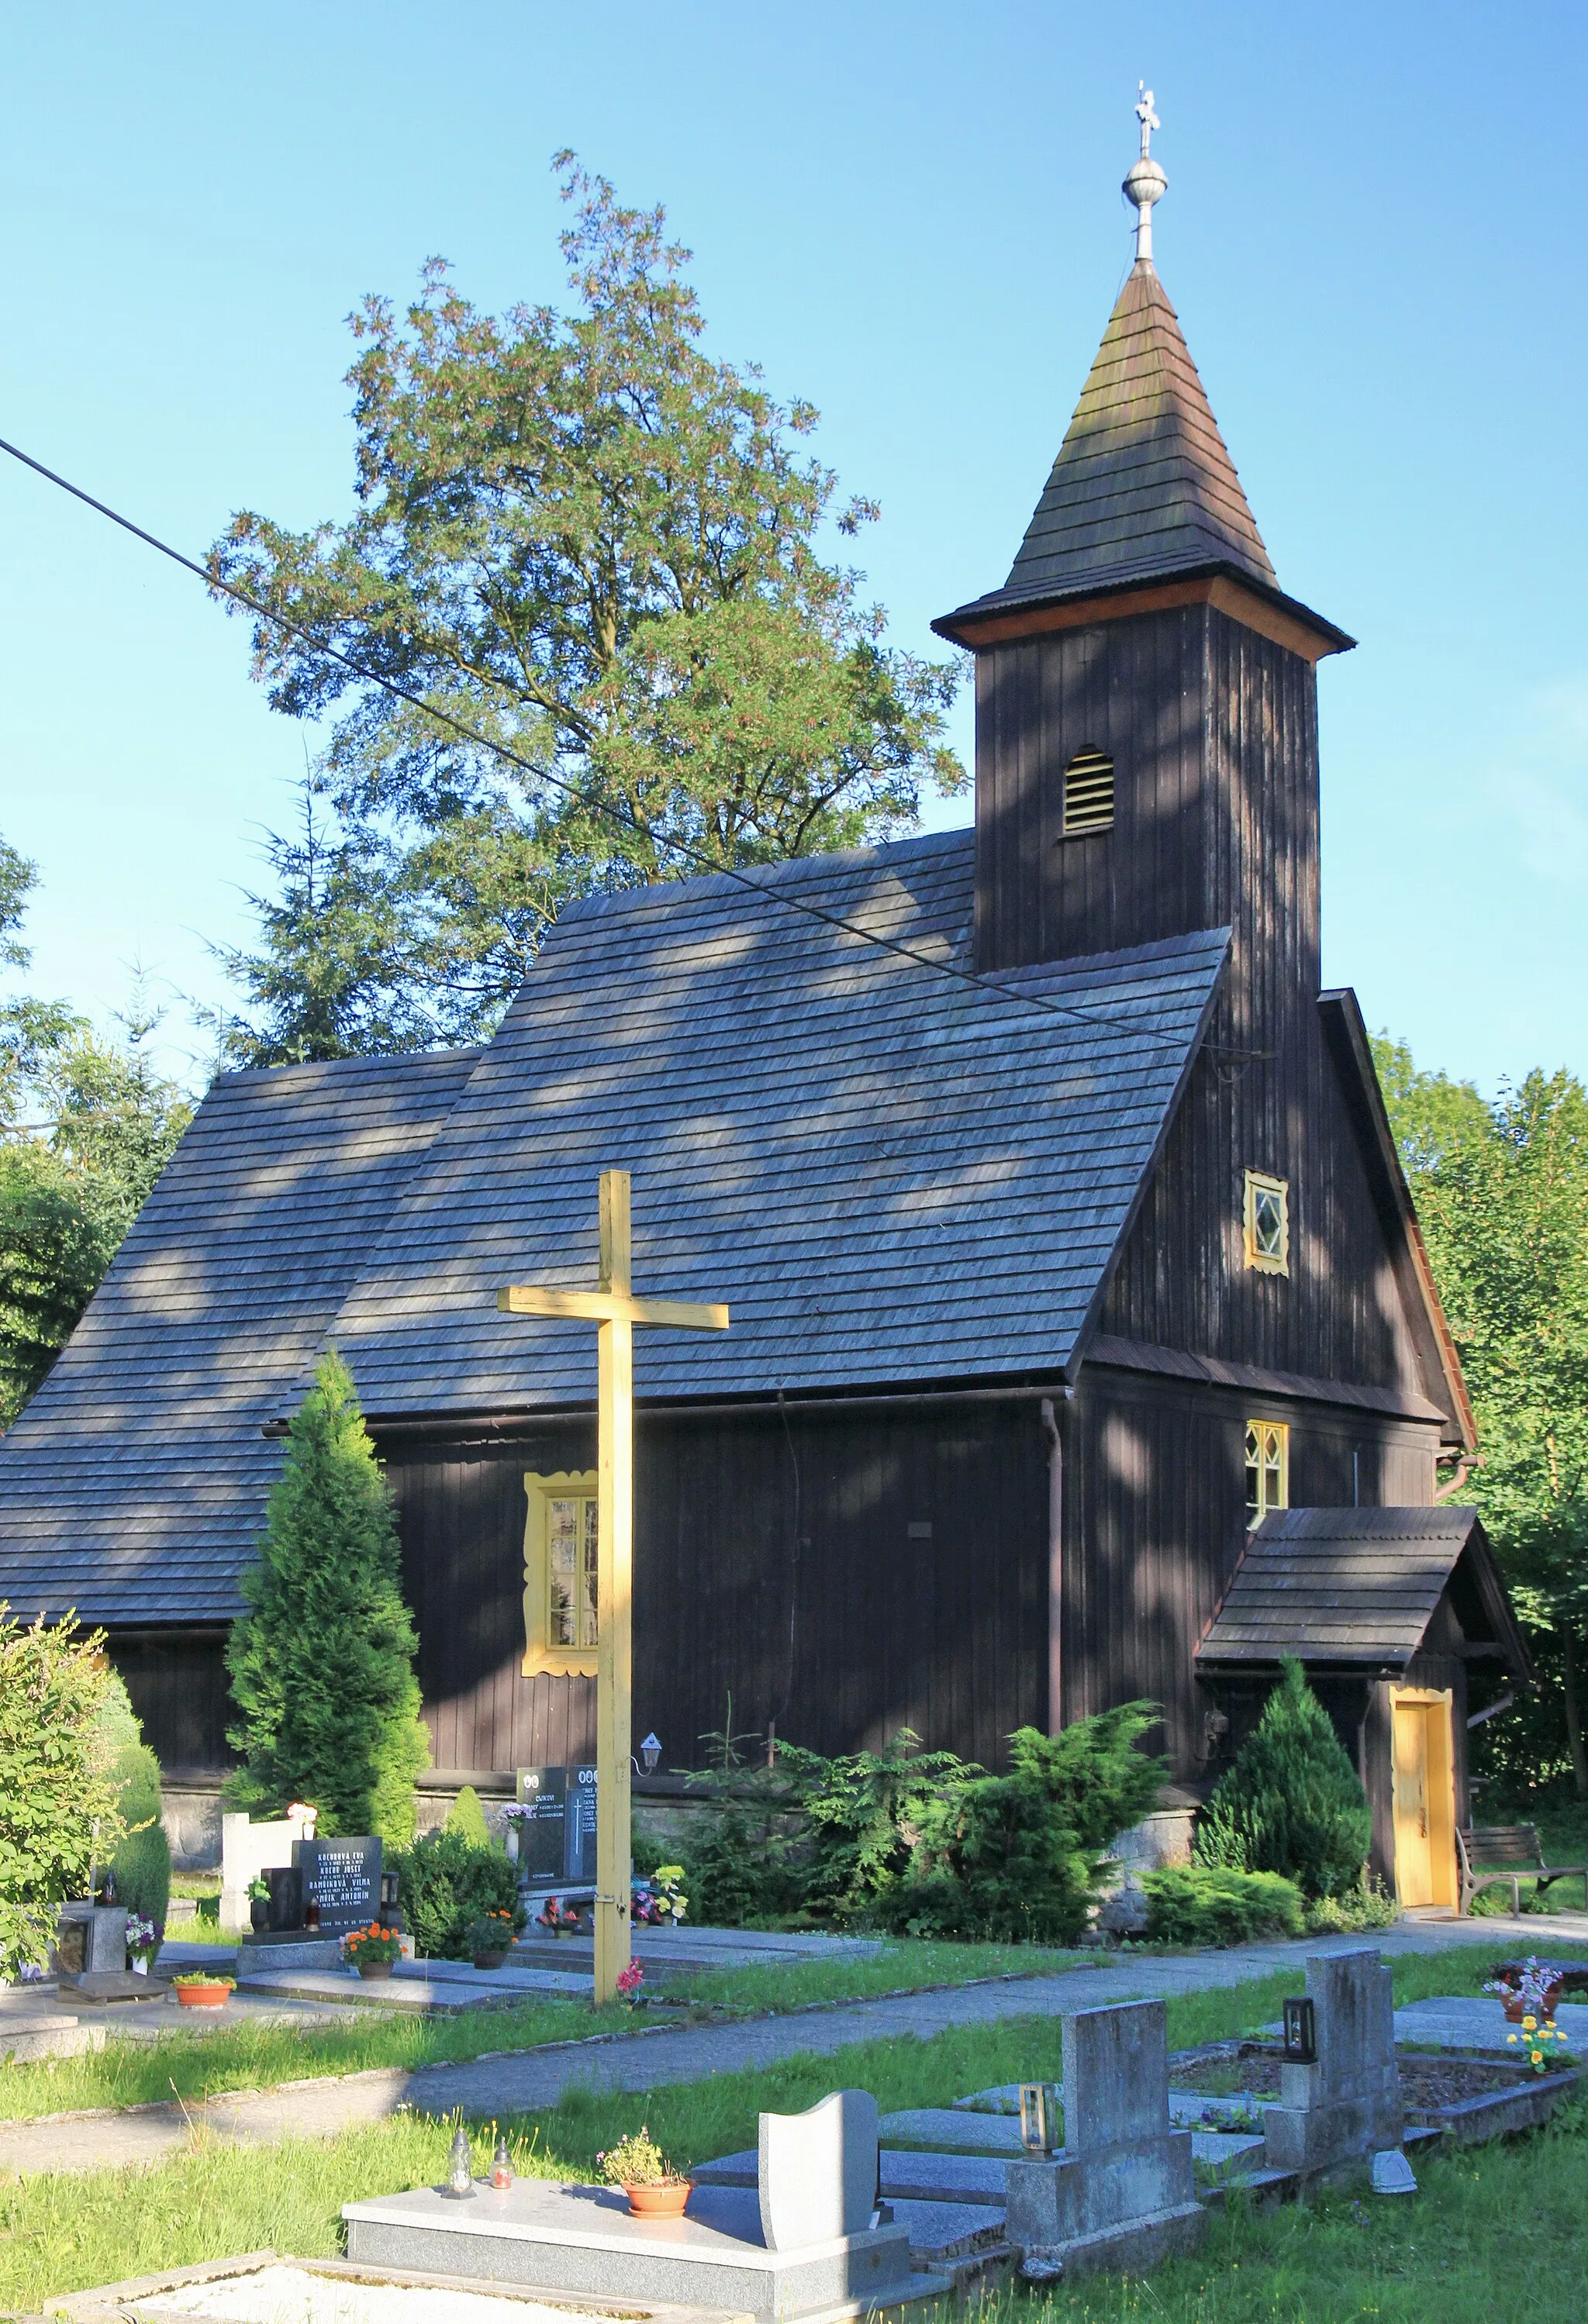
<point x="490" y="1961"/>
<point x="203" y="1996"/>
<point x="375" y="1969"/>
<point x="664" y="2200"/>
<point x="1516" y="2008"/>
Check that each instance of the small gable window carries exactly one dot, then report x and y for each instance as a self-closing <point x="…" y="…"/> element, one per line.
<point x="1088" y="794"/>
<point x="1267" y="1223"/>
<point x="1268" y="1469"/>
<point x="560" y="1534"/>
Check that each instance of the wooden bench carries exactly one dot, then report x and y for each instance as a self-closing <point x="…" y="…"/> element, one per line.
<point x="1488" y="1854"/>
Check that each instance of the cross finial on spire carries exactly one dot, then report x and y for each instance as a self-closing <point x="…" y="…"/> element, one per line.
<point x="1146" y="117"/>
<point x="1146" y="183"/>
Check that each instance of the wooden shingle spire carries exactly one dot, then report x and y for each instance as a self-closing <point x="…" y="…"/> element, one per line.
<point x="1143" y="486"/>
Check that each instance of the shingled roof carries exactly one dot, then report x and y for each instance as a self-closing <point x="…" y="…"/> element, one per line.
<point x="134" y="1484"/>
<point x="891" y="1175"/>
<point x="1358" y="1589"/>
<point x="1143" y="487"/>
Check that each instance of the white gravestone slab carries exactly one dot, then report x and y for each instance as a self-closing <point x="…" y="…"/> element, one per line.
<point x="817" y="2171"/>
<point x="248" y="1850"/>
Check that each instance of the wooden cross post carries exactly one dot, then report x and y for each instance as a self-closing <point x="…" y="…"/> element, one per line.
<point x="615" y="1310"/>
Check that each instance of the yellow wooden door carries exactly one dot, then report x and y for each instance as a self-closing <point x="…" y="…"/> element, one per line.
<point x="1424" y="1798"/>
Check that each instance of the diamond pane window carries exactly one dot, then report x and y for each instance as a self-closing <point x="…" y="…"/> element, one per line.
<point x="1268" y="1469"/>
<point x="1267" y="1223"/>
<point x="1088" y="794"/>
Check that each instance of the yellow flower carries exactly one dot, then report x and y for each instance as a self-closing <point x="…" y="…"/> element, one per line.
<point x="1513" y="2037"/>
<point x="1529" y="2024"/>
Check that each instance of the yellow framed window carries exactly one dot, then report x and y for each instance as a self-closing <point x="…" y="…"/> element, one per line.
<point x="561" y="1538"/>
<point x="1266" y="1224"/>
<point x="1268" y="1469"/>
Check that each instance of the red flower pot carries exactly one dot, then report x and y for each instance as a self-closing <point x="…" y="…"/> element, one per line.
<point x="665" y="2200"/>
<point x="1516" y="2008"/>
<point x="203" y="1996"/>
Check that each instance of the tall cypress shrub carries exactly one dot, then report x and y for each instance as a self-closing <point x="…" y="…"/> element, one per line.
<point x="322" y="1663"/>
<point x="1291" y="1801"/>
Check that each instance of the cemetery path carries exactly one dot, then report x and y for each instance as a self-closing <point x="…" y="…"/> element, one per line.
<point x="525" y="2082"/>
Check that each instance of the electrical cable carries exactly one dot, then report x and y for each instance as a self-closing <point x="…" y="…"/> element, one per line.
<point x="615" y="812"/>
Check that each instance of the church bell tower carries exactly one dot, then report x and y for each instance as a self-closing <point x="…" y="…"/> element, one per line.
<point x="1146" y="693"/>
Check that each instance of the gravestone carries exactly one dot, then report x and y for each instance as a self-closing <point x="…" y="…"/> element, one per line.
<point x="91" y="1939"/>
<point x="249" y="1850"/>
<point x="817" y="2172"/>
<point x="1121" y="2195"/>
<point x="556" y="1840"/>
<point x="1336" y="2113"/>
<point x="343" y="1878"/>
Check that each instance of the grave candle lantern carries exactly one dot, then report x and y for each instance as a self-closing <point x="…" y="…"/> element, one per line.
<point x="1040" y="2117"/>
<point x="502" y="2165"/>
<point x="460" y="2175"/>
<point x="1301" y="2046"/>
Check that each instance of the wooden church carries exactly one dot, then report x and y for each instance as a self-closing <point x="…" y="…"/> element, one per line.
<point x="1084" y="1345"/>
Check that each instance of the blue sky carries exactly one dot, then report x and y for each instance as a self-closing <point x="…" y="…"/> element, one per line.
<point x="909" y="214"/>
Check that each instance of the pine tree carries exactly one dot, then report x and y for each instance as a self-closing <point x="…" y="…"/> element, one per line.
<point x="322" y="1663"/>
<point x="1291" y="1801"/>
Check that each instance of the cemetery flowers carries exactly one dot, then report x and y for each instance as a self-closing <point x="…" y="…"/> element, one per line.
<point x="1536" y="2036"/>
<point x="373" y="1948"/>
<point x="144" y="1937"/>
<point x="628" y="1981"/>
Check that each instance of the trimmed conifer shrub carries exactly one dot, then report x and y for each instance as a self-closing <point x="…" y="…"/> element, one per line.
<point x="58" y="1805"/>
<point x="142" y="1863"/>
<point x="444" y="1884"/>
<point x="1291" y="1801"/>
<point x="1197" y="1905"/>
<point x="322" y="1663"/>
<point x="467" y="1817"/>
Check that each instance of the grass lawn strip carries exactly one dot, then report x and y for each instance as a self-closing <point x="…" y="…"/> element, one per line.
<point x="67" y="2231"/>
<point x="255" y="2056"/>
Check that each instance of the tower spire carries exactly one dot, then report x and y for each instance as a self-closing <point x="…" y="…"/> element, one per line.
<point x="1146" y="182"/>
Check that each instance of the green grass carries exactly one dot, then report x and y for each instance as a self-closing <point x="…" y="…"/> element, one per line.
<point x="907" y="1964"/>
<point x="62" y="2233"/>
<point x="255" y="2056"/>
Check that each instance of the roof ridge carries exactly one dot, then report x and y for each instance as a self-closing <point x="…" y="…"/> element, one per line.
<point x="667" y="894"/>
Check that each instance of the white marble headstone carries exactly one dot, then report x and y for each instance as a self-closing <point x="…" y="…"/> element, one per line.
<point x="819" y="2170"/>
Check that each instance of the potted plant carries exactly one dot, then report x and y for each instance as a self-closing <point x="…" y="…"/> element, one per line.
<point x="666" y="1890"/>
<point x="259" y="1904"/>
<point x="1530" y="1990"/>
<point x="374" y="1952"/>
<point x="202" y="1988"/>
<point x="638" y="2165"/>
<point x="488" y="1939"/>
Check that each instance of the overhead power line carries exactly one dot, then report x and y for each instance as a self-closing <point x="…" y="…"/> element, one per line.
<point x="615" y="811"/>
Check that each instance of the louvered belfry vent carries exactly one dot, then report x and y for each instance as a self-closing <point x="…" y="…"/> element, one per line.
<point x="1088" y="794"/>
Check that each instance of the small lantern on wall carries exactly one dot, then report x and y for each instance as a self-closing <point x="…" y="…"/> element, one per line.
<point x="651" y="1752"/>
<point x="1040" y="2117"/>
<point x="1301" y="2041"/>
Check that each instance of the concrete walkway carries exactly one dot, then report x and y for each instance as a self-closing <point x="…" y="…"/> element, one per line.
<point x="525" y="2081"/>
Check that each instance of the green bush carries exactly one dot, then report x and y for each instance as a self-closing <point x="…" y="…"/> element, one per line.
<point x="1290" y="1802"/>
<point x="1022" y="1856"/>
<point x="866" y="1815"/>
<point x="1366" y="1906"/>
<point x="322" y="1664"/>
<point x="1199" y="1905"/>
<point x="55" y="1784"/>
<point x="443" y="1884"/>
<point x="743" y="1870"/>
<point x="141" y="1865"/>
<point x="467" y="1817"/>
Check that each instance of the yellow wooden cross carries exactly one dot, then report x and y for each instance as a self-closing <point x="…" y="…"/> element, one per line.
<point x="616" y="1311"/>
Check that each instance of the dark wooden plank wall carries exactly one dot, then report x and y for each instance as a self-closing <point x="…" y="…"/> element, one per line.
<point x="1155" y="1519"/>
<point x="177" y="1686"/>
<point x="741" y="1526"/>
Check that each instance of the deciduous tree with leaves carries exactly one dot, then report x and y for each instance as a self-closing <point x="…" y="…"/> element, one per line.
<point x="87" y="1124"/>
<point x="594" y="544"/>
<point x="1502" y="1193"/>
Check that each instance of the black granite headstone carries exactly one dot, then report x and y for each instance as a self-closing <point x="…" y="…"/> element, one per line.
<point x="285" y="1883"/>
<point x="579" y="1863"/>
<point x="343" y="1878"/>
<point x="540" y="1844"/>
